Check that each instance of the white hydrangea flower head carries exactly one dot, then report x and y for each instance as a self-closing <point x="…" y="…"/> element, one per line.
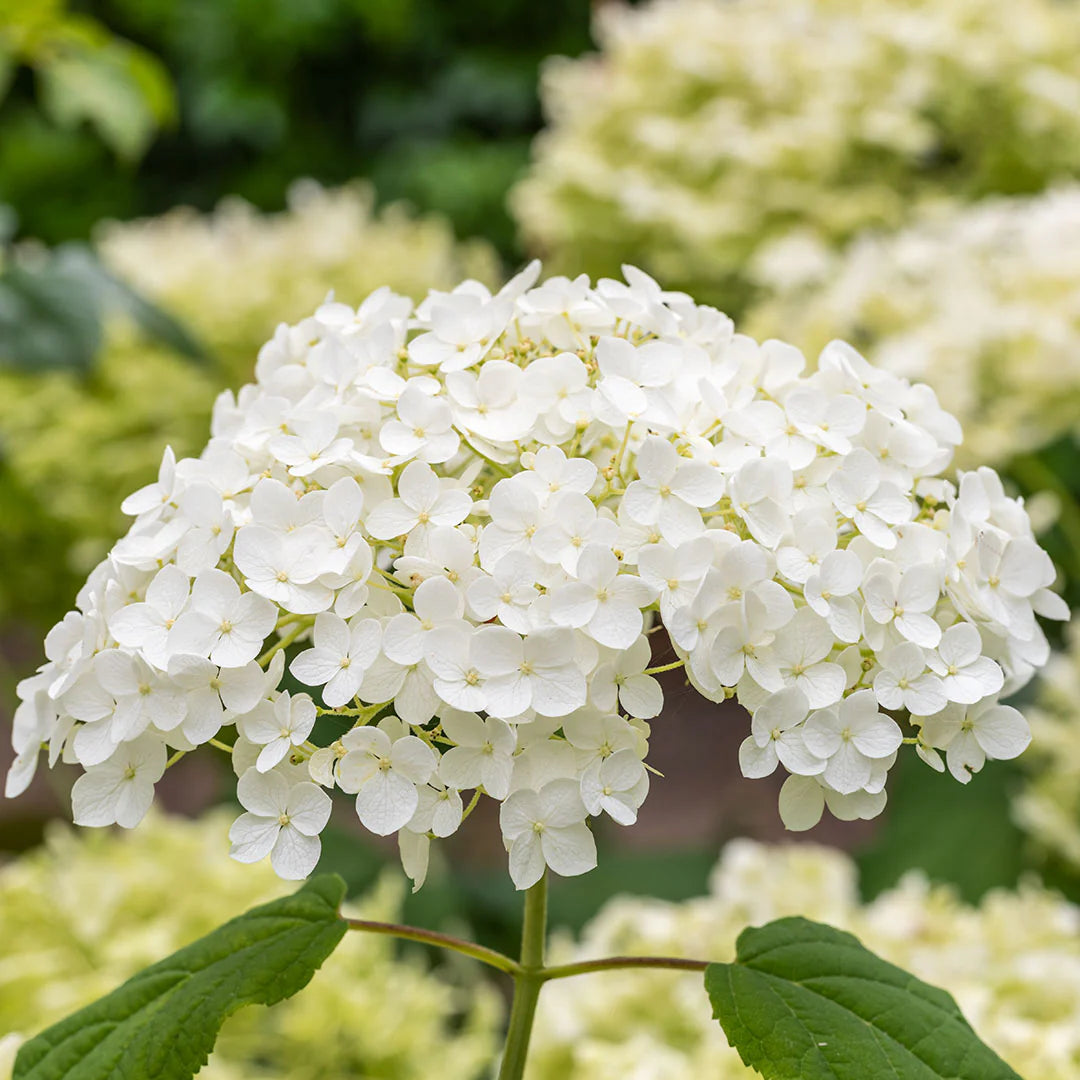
<point x="459" y="524"/>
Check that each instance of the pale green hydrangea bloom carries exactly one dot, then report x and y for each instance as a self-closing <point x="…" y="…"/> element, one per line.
<point x="93" y="908"/>
<point x="1013" y="964"/>
<point x="233" y="275"/>
<point x="982" y="302"/>
<point x="704" y="129"/>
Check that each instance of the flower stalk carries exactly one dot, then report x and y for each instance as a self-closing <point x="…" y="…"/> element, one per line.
<point x="529" y="973"/>
<point x="528" y="981"/>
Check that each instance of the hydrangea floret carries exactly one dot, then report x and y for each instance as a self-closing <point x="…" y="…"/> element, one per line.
<point x="464" y="525"/>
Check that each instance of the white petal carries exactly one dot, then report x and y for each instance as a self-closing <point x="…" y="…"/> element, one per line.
<point x="391" y="518"/>
<point x="413" y="758"/>
<point x="801" y="803"/>
<point x="823" y="684"/>
<point x="879" y="739"/>
<point x="295" y="855"/>
<point x="414" y="849"/>
<point x="796" y="757"/>
<point x="526" y="860"/>
<point x="1002" y="732"/>
<point x="569" y="850"/>
<point x="641" y="696"/>
<point x="757" y="761"/>
<point x="314" y="667"/>
<point x="253" y="837"/>
<point x="265" y="794"/>
<point x="94" y="798"/>
<point x="698" y="484"/>
<point x="386" y="802"/>
<point x="847" y="769"/>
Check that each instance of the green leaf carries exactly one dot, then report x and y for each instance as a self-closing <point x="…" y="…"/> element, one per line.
<point x="78" y="264"/>
<point x="51" y="314"/>
<point x="122" y="91"/>
<point x="47" y="322"/>
<point x="7" y="70"/>
<point x="803" y="1001"/>
<point x="163" y="1022"/>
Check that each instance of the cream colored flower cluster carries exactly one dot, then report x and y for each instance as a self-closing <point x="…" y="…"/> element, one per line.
<point x="467" y="515"/>
<point x="154" y="891"/>
<point x="705" y="128"/>
<point x="1049" y="806"/>
<point x="1012" y="963"/>
<point x="983" y="302"/>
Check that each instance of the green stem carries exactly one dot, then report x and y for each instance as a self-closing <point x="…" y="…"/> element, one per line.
<point x="529" y="974"/>
<point x="527" y="982"/>
<point x="664" y="667"/>
<point x="618" y="963"/>
<point x="443" y="941"/>
<point x="286" y="641"/>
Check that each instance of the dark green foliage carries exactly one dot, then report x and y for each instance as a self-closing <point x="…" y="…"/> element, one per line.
<point x="163" y="1022"/>
<point x="803" y="1001"/>
<point x="435" y="100"/>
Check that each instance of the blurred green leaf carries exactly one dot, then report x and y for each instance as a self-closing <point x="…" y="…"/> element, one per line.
<point x="85" y="73"/>
<point x="467" y="180"/>
<point x="52" y="313"/>
<point x="45" y="323"/>
<point x="9" y="222"/>
<point x="123" y="92"/>
<point x="77" y="264"/>
<point x="434" y="100"/>
<point x="7" y="71"/>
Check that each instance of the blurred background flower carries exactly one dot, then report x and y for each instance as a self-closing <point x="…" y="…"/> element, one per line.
<point x="983" y="301"/>
<point x="702" y="131"/>
<point x="1049" y="805"/>
<point x="994" y="958"/>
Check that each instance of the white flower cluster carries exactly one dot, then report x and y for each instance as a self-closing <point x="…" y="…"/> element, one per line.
<point x="703" y="129"/>
<point x="472" y="513"/>
<point x="981" y="301"/>
<point x="1012" y="962"/>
